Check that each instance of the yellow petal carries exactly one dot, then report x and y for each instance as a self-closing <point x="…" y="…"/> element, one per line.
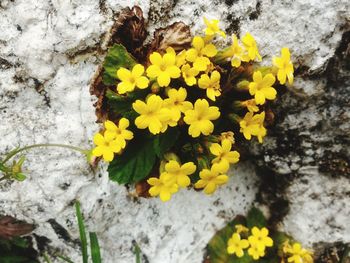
<point x="259" y="97"/>
<point x="153" y="71"/>
<point x="173" y="71"/>
<point x="124" y="87"/>
<point x="154" y="191"/>
<point x="183" y="181"/>
<point x="191" y="55"/>
<point x="169" y="59"/>
<point x="123" y="123"/>
<point x="155" y="58"/>
<point x="164" y="79"/>
<point x="226" y="145"/>
<point x="137" y="70"/>
<point x="198" y="42"/>
<point x="172" y="167"/>
<point x="123" y="74"/>
<point x="209" y="50"/>
<point x="165" y="195"/>
<point x="270" y="93"/>
<point x="99" y="139"/>
<point x="188" y="168"/>
<point x="215" y="149"/>
<point x="142" y="82"/>
<point x="109" y="125"/>
<point x="210" y="188"/>
<point x="139" y="106"/>
<point x="97" y="151"/>
<point x="108" y="155"/>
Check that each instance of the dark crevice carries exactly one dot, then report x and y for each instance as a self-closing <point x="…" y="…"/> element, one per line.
<point x="62" y="232"/>
<point x="255" y="14"/>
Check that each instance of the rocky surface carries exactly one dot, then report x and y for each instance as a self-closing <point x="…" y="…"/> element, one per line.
<point x="49" y="51"/>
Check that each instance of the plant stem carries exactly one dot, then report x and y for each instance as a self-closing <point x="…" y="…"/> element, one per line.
<point x="43" y="145"/>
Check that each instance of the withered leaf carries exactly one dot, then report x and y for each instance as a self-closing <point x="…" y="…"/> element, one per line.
<point x="10" y="227"/>
<point x="177" y="36"/>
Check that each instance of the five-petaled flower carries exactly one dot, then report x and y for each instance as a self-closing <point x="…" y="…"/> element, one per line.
<point x="179" y="174"/>
<point x="261" y="87"/>
<point x="235" y="52"/>
<point x="210" y="84"/>
<point x="163" y="68"/>
<point x="106" y="146"/>
<point x="223" y="153"/>
<point x="189" y="74"/>
<point x="119" y="132"/>
<point x="255" y="252"/>
<point x="253" y="125"/>
<point x="200" y="118"/>
<point x="152" y="114"/>
<point x="284" y="66"/>
<point x="176" y="103"/>
<point x="260" y="238"/>
<point x="213" y="28"/>
<point x="251" y="49"/>
<point x="162" y="186"/>
<point x="131" y="79"/>
<point x="200" y="53"/>
<point x="235" y="245"/>
<point x="211" y="179"/>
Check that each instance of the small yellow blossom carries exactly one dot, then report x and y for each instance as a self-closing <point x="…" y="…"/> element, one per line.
<point x="120" y="132"/>
<point x="106" y="146"/>
<point x="176" y="103"/>
<point x="261" y="87"/>
<point x="162" y="187"/>
<point x="152" y="114"/>
<point x="179" y="174"/>
<point x="254" y="251"/>
<point x="235" y="52"/>
<point x="253" y="125"/>
<point x="299" y="254"/>
<point x="241" y="228"/>
<point x="284" y="66"/>
<point x="131" y="79"/>
<point x="228" y="135"/>
<point x="200" y="118"/>
<point x="200" y="53"/>
<point x="213" y="28"/>
<point x="251" y="105"/>
<point x="223" y="153"/>
<point x="236" y="245"/>
<point x="210" y="84"/>
<point x="189" y="74"/>
<point x="163" y="68"/>
<point x="211" y="179"/>
<point x="260" y="238"/>
<point x="251" y="48"/>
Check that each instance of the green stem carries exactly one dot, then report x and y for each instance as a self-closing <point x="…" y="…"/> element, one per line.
<point x="43" y="145"/>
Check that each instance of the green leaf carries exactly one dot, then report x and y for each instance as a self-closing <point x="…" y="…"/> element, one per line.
<point x="137" y="252"/>
<point x="165" y="141"/>
<point x="134" y="164"/>
<point x="82" y="233"/>
<point x="255" y="218"/>
<point x="117" y="57"/>
<point x="95" y="248"/>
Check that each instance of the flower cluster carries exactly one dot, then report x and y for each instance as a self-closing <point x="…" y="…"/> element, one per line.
<point x="255" y="241"/>
<point x="207" y="95"/>
<point x="296" y="253"/>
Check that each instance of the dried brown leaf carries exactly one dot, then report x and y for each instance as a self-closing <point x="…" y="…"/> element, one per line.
<point x="10" y="227"/>
<point x="178" y="36"/>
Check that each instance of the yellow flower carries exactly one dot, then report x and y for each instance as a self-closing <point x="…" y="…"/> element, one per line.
<point x="236" y="245"/>
<point x="189" y="74"/>
<point x="254" y="252"/>
<point x="177" y="103"/>
<point x="228" y="135"/>
<point x="152" y="114"/>
<point x="299" y="254"/>
<point x="163" y="68"/>
<point x="162" y="187"/>
<point x="106" y="146"/>
<point x="251" y="105"/>
<point x="213" y="28"/>
<point x="262" y="88"/>
<point x="200" y="118"/>
<point x="235" y="52"/>
<point x="131" y="79"/>
<point x="285" y="67"/>
<point x="253" y="125"/>
<point x="241" y="228"/>
<point x="260" y="238"/>
<point x="178" y="174"/>
<point x="223" y="153"/>
<point x="200" y="53"/>
<point x="251" y="48"/>
<point x="210" y="84"/>
<point x="119" y="133"/>
<point x="211" y="179"/>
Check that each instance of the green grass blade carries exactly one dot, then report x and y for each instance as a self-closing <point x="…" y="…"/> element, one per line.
<point x="82" y="233"/>
<point x="137" y="251"/>
<point x="46" y="258"/>
<point x="95" y="248"/>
